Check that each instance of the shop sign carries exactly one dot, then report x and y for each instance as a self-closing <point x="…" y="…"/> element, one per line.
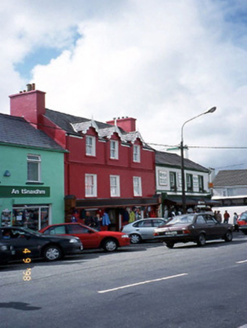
<point x="17" y="191"/>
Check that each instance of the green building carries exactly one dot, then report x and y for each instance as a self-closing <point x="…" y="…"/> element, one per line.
<point x="31" y="175"/>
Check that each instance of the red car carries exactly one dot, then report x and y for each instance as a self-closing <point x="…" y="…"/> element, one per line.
<point x="242" y="222"/>
<point x="90" y="238"/>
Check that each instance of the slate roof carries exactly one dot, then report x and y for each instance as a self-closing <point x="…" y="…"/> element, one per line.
<point x="17" y="131"/>
<point x="74" y="125"/>
<point x="230" y="178"/>
<point x="174" y="160"/>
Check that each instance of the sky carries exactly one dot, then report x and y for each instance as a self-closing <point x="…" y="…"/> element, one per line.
<point x="163" y="62"/>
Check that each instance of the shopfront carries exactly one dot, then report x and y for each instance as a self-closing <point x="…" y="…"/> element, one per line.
<point x="119" y="211"/>
<point x="29" y="207"/>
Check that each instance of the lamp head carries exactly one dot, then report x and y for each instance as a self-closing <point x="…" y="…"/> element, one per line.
<point x="211" y="110"/>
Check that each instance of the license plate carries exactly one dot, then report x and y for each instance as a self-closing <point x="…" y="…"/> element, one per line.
<point x="171" y="233"/>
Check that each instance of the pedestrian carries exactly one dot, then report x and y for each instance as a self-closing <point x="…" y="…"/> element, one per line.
<point x="218" y="216"/>
<point x="89" y="220"/>
<point x="97" y="220"/>
<point x="105" y="221"/>
<point x="226" y="217"/>
<point x="235" y="217"/>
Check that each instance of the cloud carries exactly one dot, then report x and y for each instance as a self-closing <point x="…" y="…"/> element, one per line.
<point x="162" y="62"/>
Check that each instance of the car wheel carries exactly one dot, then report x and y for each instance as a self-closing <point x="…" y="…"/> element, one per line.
<point x="110" y="245"/>
<point x="201" y="240"/>
<point x="169" y="245"/>
<point x="228" y="236"/>
<point x="52" y="253"/>
<point x="135" y="239"/>
<point x="244" y="231"/>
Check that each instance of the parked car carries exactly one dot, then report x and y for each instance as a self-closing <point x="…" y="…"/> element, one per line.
<point x="242" y="222"/>
<point x="90" y="237"/>
<point x="36" y="245"/>
<point x="6" y="252"/>
<point x="143" y="229"/>
<point x="196" y="227"/>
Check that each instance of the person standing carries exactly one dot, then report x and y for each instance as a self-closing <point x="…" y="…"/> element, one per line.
<point x="236" y="228"/>
<point x="226" y="217"/>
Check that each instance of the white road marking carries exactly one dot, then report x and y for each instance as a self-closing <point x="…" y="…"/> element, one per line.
<point x="244" y="261"/>
<point x="142" y="283"/>
<point x="244" y="326"/>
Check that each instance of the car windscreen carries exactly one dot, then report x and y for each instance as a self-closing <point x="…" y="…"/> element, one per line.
<point x="30" y="231"/>
<point x="185" y="219"/>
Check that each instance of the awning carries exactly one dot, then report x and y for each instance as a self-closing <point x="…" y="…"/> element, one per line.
<point x="121" y="202"/>
<point x="172" y="200"/>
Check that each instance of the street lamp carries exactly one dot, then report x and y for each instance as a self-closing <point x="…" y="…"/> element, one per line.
<point x="211" y="110"/>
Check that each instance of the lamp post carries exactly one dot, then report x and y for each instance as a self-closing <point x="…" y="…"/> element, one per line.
<point x="211" y="110"/>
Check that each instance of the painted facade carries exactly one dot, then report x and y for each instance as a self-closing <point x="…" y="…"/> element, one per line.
<point x="31" y="182"/>
<point x="108" y="166"/>
<point x="169" y="182"/>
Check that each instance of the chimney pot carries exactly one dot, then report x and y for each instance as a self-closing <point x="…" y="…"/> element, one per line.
<point x="29" y="87"/>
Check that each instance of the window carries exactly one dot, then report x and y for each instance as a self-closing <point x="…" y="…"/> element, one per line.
<point x="162" y="178"/>
<point x="58" y="230"/>
<point x="200" y="220"/>
<point x="77" y="229"/>
<point x="136" y="153"/>
<point x="115" y="185"/>
<point x="137" y="186"/>
<point x="200" y="183"/>
<point x="90" y="185"/>
<point x="113" y="149"/>
<point x="189" y="181"/>
<point x="33" y="168"/>
<point x="173" y="181"/>
<point x="90" y="146"/>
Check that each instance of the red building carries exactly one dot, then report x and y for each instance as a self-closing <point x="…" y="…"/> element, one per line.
<point x="108" y="166"/>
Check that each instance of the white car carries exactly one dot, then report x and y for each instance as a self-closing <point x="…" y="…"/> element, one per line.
<point x="143" y="229"/>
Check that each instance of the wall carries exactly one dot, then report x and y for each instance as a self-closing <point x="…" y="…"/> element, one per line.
<point x="14" y="159"/>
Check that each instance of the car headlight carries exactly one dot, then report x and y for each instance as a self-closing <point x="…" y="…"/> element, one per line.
<point x="125" y="236"/>
<point x="74" y="240"/>
<point x="4" y="248"/>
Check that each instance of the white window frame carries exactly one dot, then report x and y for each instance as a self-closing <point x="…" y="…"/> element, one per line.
<point x="137" y="186"/>
<point x="200" y="183"/>
<point x="113" y="149"/>
<point x="136" y="153"/>
<point x="33" y="162"/>
<point x="90" y="146"/>
<point x="90" y="185"/>
<point x="115" y="185"/>
<point x="173" y="180"/>
<point x="189" y="182"/>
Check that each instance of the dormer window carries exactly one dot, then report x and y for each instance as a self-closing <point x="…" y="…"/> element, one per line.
<point x="90" y="146"/>
<point x="114" y="149"/>
<point x="136" y="153"/>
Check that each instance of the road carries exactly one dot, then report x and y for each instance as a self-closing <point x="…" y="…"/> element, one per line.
<point x="142" y="286"/>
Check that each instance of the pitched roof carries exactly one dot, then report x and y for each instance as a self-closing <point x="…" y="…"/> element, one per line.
<point x="17" y="131"/>
<point x="230" y="178"/>
<point x="74" y="125"/>
<point x="170" y="159"/>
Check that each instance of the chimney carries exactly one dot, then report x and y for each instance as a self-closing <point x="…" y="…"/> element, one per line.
<point x="128" y="124"/>
<point x="29" y="104"/>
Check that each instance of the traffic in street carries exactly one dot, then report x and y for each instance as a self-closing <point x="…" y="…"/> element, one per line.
<point x="142" y="285"/>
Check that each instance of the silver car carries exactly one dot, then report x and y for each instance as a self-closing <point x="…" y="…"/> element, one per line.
<point x="143" y="229"/>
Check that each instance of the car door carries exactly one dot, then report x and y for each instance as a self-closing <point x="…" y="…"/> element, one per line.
<point x="88" y="237"/>
<point x="200" y="226"/>
<point x="215" y="229"/>
<point x="26" y="245"/>
<point x="145" y="229"/>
